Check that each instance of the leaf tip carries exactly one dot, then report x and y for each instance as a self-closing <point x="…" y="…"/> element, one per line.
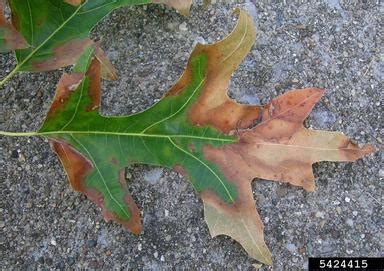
<point x="108" y="71"/>
<point x="67" y="84"/>
<point x="368" y="149"/>
<point x="182" y="6"/>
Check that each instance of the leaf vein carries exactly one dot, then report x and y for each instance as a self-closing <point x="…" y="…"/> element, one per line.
<point x="205" y="165"/>
<point x="101" y="176"/>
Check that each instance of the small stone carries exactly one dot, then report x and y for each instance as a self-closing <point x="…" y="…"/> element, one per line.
<point x="292" y="248"/>
<point x="266" y="220"/>
<point x="257" y="265"/>
<point x="347" y="199"/>
<point x="282" y="191"/>
<point x="349" y="251"/>
<point x="349" y="222"/>
<point x="14" y="154"/>
<point x="251" y="9"/>
<point x="21" y="157"/>
<point x="152" y="176"/>
<point x="162" y="258"/>
<point x="168" y="238"/>
<point x="91" y="243"/>
<point x="71" y="261"/>
<point x="139" y="246"/>
<point x="319" y="214"/>
<point x="49" y="261"/>
<point x="322" y="223"/>
<point x="60" y="266"/>
<point x="338" y="209"/>
<point x="200" y="39"/>
<point x="172" y="26"/>
<point x="53" y="242"/>
<point x="166" y="212"/>
<point x="156" y="254"/>
<point x="128" y="175"/>
<point x="324" y="118"/>
<point x="41" y="260"/>
<point x="183" y="27"/>
<point x="354" y="213"/>
<point x="381" y="173"/>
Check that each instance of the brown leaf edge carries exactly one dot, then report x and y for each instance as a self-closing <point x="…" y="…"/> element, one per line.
<point x="75" y="164"/>
<point x="12" y="38"/>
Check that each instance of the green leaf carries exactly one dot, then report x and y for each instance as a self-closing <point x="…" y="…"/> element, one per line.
<point x="57" y="31"/>
<point x="196" y="129"/>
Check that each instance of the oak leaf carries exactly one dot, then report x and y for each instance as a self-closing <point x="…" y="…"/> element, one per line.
<point x="57" y="32"/>
<point x="196" y="129"/>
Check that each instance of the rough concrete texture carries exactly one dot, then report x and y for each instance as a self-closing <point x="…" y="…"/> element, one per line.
<point x="336" y="45"/>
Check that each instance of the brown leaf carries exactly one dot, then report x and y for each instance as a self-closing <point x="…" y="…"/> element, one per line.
<point x="280" y="149"/>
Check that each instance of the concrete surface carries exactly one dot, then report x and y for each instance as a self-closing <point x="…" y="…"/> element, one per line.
<point x="336" y="45"/>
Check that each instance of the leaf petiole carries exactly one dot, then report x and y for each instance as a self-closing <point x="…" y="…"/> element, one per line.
<point x="3" y="133"/>
<point x="9" y="75"/>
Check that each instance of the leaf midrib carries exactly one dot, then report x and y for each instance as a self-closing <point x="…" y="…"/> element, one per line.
<point x="138" y="135"/>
